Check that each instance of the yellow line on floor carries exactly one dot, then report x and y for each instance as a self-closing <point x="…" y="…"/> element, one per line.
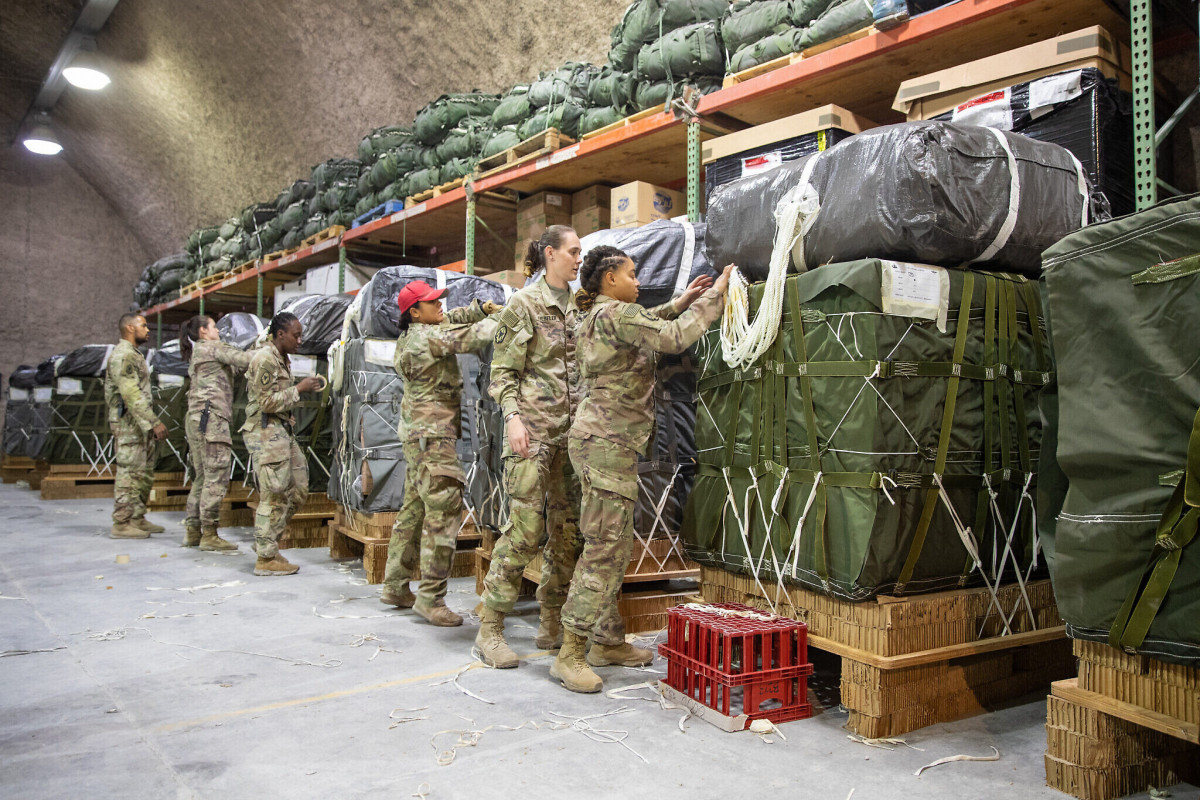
<point x="330" y="696"/>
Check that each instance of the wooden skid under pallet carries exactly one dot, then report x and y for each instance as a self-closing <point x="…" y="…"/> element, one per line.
<point x="245" y="266"/>
<point x="16" y="468"/>
<point x="332" y="232"/>
<point x="378" y="524"/>
<point x="1172" y="690"/>
<point x="81" y="486"/>
<point x="203" y="283"/>
<point x="542" y="144"/>
<point x="915" y="661"/>
<point x="626" y="122"/>
<point x="348" y="543"/>
<point x="278" y="254"/>
<point x="792" y="58"/>
<point x="436" y="191"/>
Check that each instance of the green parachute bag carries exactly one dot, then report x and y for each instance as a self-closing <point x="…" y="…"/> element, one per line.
<point x="365" y="204"/>
<point x="805" y="11"/>
<point x="465" y="141"/>
<point x="691" y="50"/>
<point x="343" y="217"/>
<point x="456" y="168"/>
<point x="514" y="109"/>
<point x="202" y="237"/>
<point x="886" y="441"/>
<point x="426" y="157"/>
<point x="501" y="140"/>
<point x="650" y="95"/>
<point x="229" y="228"/>
<point x="564" y="118"/>
<point x="764" y="50"/>
<point x="594" y="119"/>
<point x="611" y="88"/>
<point x="364" y="182"/>
<point x="293" y="216"/>
<point x="1121" y="539"/>
<point x="751" y="20"/>
<point x="380" y="140"/>
<point x="647" y="20"/>
<point x="263" y="211"/>
<point x="438" y="118"/>
<point x="567" y="83"/>
<point x="342" y="194"/>
<point x="392" y="164"/>
<point x="333" y="170"/>
<point x="424" y="179"/>
<point x="839" y="19"/>
<point x="292" y="238"/>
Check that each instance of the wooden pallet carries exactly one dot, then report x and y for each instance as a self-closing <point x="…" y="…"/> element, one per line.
<point x="436" y="191"/>
<point x="542" y="144"/>
<point x="16" y="468"/>
<point x="59" y="484"/>
<point x="791" y="58"/>
<point x="626" y="122"/>
<point x="915" y="661"/>
<point x="173" y="497"/>
<point x="204" y="283"/>
<point x="349" y="543"/>
<point x="245" y="266"/>
<point x="374" y="528"/>
<point x="278" y="254"/>
<point x="332" y="232"/>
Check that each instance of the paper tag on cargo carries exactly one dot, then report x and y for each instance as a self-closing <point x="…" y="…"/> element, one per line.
<point x="18" y="394"/>
<point x="380" y="351"/>
<point x="916" y="290"/>
<point x="752" y="165"/>
<point x="1045" y="93"/>
<point x="992" y="110"/>
<point x="42" y="394"/>
<point x="303" y="366"/>
<point x="69" y="386"/>
<point x="170" y="380"/>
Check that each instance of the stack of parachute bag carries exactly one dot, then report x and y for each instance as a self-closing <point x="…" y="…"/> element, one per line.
<point x="26" y="407"/>
<point x="869" y="425"/>
<point x="1119" y="499"/>
<point x="758" y="31"/>
<point x="450" y="132"/>
<point x="335" y="195"/>
<point x="368" y="461"/>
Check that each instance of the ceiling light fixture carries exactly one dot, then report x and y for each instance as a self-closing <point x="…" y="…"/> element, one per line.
<point x="85" y="73"/>
<point x="41" y="139"/>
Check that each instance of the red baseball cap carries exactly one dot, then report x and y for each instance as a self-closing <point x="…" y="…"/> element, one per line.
<point x="417" y="292"/>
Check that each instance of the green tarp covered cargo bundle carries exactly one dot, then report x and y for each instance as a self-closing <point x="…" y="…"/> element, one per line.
<point x="943" y="194"/>
<point x="77" y="426"/>
<point x="513" y="109"/>
<point x="1120" y="521"/>
<point x="380" y="140"/>
<point x="21" y="410"/>
<point x="691" y="50"/>
<point x="438" y="118"/>
<point x="645" y="21"/>
<point x="886" y="440"/>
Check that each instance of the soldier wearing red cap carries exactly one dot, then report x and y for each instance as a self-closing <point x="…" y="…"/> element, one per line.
<point x="430" y="425"/>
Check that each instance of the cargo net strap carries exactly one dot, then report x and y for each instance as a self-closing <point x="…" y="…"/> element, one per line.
<point x="95" y="451"/>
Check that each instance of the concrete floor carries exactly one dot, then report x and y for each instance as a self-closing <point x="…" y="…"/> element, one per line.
<point x="180" y="674"/>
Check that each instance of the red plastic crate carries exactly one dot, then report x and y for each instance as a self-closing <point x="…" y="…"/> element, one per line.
<point x="720" y="651"/>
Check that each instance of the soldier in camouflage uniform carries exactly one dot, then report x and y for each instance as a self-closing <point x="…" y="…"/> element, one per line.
<point x="280" y="468"/>
<point x="534" y="381"/>
<point x="430" y="425"/>
<point x="212" y="367"/>
<point x="136" y="430"/>
<point x="619" y="342"/>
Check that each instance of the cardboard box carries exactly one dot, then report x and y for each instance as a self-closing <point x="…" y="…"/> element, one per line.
<point x="590" y="219"/>
<point x="828" y="116"/>
<point x="927" y="96"/>
<point x="544" y="204"/>
<point x="640" y="203"/>
<point x="591" y="196"/>
<point x="510" y="277"/>
<point x="324" y="280"/>
<point x="287" y="291"/>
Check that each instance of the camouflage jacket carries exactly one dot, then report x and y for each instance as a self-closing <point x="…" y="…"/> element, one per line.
<point x="269" y="388"/>
<point x="425" y="358"/>
<point x="127" y="387"/>
<point x="533" y="364"/>
<point x="211" y="372"/>
<point x="618" y="352"/>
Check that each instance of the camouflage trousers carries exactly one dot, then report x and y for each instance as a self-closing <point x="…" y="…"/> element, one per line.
<point x="211" y="456"/>
<point x="135" y="451"/>
<point x="281" y="472"/>
<point x="428" y="520"/>
<point x="608" y="474"/>
<point x="543" y="496"/>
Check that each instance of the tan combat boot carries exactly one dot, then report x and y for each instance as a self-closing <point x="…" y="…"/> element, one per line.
<point x="437" y="613"/>
<point x="621" y="655"/>
<point x="405" y="599"/>
<point x="274" y="566"/>
<point x="213" y="543"/>
<point x="123" y="530"/>
<point x="143" y="524"/>
<point x="191" y="533"/>
<point x="550" y="630"/>
<point x="572" y="669"/>
<point x="494" y="651"/>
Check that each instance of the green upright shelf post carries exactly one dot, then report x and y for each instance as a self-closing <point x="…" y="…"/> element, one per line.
<point x="341" y="269"/>
<point x="201" y="312"/>
<point x="259" y="312"/>
<point x="1141" y="40"/>
<point x="470" y="255"/>
<point x="693" y="169"/>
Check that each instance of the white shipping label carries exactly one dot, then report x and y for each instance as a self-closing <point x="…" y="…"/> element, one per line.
<point x="170" y="380"/>
<point x="1045" y="93"/>
<point x="43" y="394"/>
<point x="915" y="290"/>
<point x="69" y="386"/>
<point x="992" y="110"/>
<point x="18" y="394"/>
<point x="752" y="165"/>
<point x="380" y="351"/>
<point x="303" y="366"/>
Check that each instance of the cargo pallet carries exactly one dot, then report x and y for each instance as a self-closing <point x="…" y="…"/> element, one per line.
<point x="332" y="232"/>
<point x="436" y="191"/>
<point x="16" y="468"/>
<point x="354" y="534"/>
<point x="308" y="527"/>
<point x="626" y="122"/>
<point x="235" y="507"/>
<point x="245" y="266"/>
<point x="202" y="284"/>
<point x="381" y="210"/>
<point x="82" y="481"/>
<point x="791" y="58"/>
<point x="909" y="662"/>
<point x="1128" y="722"/>
<point x="542" y="144"/>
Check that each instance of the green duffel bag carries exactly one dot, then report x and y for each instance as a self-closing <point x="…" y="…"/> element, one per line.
<point x="650" y="95"/>
<point x="564" y="118"/>
<point x="292" y="238"/>
<point x="611" y="88"/>
<point x="216" y="267"/>
<point x="691" y="50"/>
<point x="380" y="140"/>
<point x="343" y="217"/>
<point x="202" y="237"/>
<point x="269" y="235"/>
<point x="426" y="157"/>
<point x="293" y="216"/>
<point x="343" y="194"/>
<point x="839" y="19"/>
<point x="283" y="199"/>
<point x="301" y="189"/>
<point x="438" y="118"/>
<point x="364" y="182"/>
<point x="501" y="140"/>
<point x="764" y="50"/>
<point x="365" y="204"/>
<point x="265" y="212"/>
<point x="456" y="168"/>
<point x="172" y="279"/>
<point x="328" y="172"/>
<point x="805" y="11"/>
<point x="751" y="20"/>
<point x="465" y="141"/>
<point x="883" y="442"/>
<point x="398" y="190"/>
<point x="596" y="118"/>
<point x="313" y="225"/>
<point x="513" y="109"/>
<point x="424" y="179"/>
<point x="647" y="20"/>
<point x="1121" y="534"/>
<point x="315" y="205"/>
<point x="392" y="164"/>
<point x="232" y="246"/>
<point x="229" y="228"/>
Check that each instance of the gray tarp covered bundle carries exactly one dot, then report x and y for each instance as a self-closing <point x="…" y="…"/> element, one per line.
<point x="375" y="313"/>
<point x="321" y="317"/>
<point x="928" y="192"/>
<point x="834" y="461"/>
<point x="1124" y="300"/>
<point x="26" y="414"/>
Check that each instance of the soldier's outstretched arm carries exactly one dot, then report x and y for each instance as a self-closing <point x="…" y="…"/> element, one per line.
<point x="638" y="326"/>
<point x="463" y="338"/>
<point x="137" y="404"/>
<point x="231" y="356"/>
<point x="466" y="314"/>
<point x="665" y="311"/>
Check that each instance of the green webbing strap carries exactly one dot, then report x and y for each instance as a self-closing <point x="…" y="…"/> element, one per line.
<point x="731" y="428"/>
<point x="982" y="504"/>
<point x="865" y="369"/>
<point x="1014" y="351"/>
<point x="1033" y="307"/>
<point x="931" y="495"/>
<point x="1003" y="387"/>
<point x="1176" y="530"/>
<point x="780" y="405"/>
<point x="1171" y="270"/>
<point x="800" y="349"/>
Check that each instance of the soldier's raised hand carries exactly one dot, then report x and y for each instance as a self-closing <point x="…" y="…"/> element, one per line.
<point x="722" y="282"/>
<point x="310" y="384"/>
<point x="692" y="292"/>
<point x="491" y="308"/>
<point x="159" y="431"/>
